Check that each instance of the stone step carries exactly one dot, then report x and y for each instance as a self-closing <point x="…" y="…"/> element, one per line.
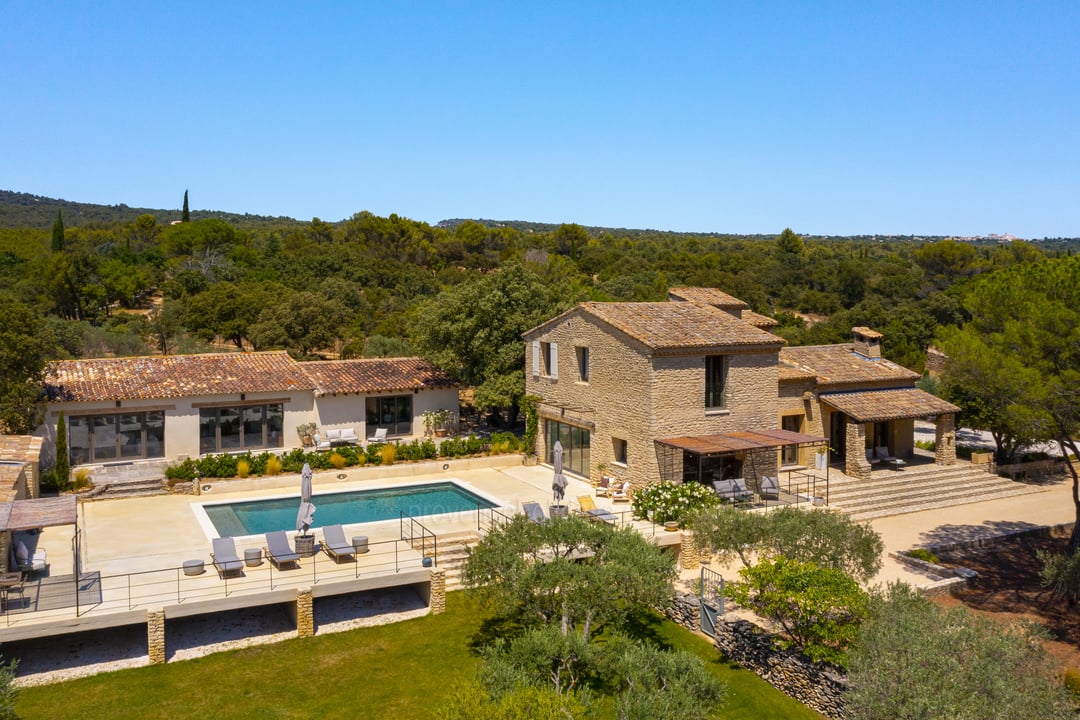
<point x="912" y="490"/>
<point x="892" y="501"/>
<point x="142" y="488"/>
<point x="904" y="477"/>
<point x="871" y="513"/>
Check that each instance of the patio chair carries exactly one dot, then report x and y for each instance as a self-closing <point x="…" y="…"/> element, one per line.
<point x="225" y="558"/>
<point x="320" y="443"/>
<point x="621" y="493"/>
<point x="279" y="551"/>
<point x="770" y="488"/>
<point x="733" y="490"/>
<point x="596" y="514"/>
<point x="870" y="457"/>
<point x="534" y="512"/>
<point x="604" y="488"/>
<point x="379" y="436"/>
<point x="883" y="454"/>
<point x="30" y="564"/>
<point x="334" y="543"/>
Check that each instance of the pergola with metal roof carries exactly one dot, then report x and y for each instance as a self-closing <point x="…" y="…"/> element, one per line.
<point x="697" y="457"/>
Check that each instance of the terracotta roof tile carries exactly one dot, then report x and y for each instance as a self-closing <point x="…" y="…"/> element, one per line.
<point x="707" y="296"/>
<point x="758" y="320"/>
<point x="838" y="365"/>
<point x="881" y="405"/>
<point x="790" y="374"/>
<point x="335" y="377"/>
<point x="173" y="376"/>
<point x="666" y="326"/>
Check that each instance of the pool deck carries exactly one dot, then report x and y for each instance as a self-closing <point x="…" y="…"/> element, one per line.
<point x="133" y="549"/>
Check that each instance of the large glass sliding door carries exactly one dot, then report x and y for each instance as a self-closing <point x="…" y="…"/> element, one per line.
<point x="232" y="429"/>
<point x="576" y="444"/>
<point x="123" y="436"/>
<point x="393" y="412"/>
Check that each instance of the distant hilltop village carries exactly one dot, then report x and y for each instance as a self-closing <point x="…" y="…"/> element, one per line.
<point x="992" y="237"/>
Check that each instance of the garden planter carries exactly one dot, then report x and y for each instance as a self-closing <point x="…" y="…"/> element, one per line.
<point x="671" y="525"/>
<point x="559" y="511"/>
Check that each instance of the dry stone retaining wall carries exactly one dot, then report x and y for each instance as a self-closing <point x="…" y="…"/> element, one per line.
<point x="818" y="686"/>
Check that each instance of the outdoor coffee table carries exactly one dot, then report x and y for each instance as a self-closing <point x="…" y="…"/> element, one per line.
<point x="896" y="463"/>
<point x="252" y="557"/>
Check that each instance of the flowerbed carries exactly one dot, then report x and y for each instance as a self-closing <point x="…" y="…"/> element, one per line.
<point x="667" y="501"/>
<point x="269" y="463"/>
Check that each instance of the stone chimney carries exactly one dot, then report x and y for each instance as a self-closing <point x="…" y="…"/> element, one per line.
<point x="867" y="343"/>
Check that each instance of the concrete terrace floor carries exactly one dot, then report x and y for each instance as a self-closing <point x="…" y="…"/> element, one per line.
<point x="152" y="533"/>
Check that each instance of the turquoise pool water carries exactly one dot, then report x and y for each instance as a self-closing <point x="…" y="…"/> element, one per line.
<point x="256" y="517"/>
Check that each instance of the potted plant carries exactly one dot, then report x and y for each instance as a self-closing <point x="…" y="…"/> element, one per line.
<point x="306" y="431"/>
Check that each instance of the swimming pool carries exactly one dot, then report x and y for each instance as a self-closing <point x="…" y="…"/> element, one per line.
<point x="256" y="517"/>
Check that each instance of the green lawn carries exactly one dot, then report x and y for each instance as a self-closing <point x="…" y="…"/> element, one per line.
<point x="400" y="670"/>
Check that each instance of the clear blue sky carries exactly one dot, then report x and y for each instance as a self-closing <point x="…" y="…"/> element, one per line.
<point x="828" y="117"/>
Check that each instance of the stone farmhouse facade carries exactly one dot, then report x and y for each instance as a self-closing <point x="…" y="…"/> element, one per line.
<point x="167" y="408"/>
<point x="699" y="388"/>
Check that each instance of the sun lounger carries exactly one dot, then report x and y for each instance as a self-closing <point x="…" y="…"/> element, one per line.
<point x="598" y="514"/>
<point x="732" y="490"/>
<point x="534" y="512"/>
<point x="279" y="551"/>
<point x="225" y="558"/>
<point x="334" y="543"/>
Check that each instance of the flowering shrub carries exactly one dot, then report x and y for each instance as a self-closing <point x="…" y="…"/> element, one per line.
<point x="668" y="501"/>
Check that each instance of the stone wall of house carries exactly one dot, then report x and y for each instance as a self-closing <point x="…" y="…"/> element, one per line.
<point x="615" y="402"/>
<point x="818" y="686"/>
<point x="945" y="439"/>
<point x="856" y="465"/>
<point x="635" y="397"/>
<point x="794" y="399"/>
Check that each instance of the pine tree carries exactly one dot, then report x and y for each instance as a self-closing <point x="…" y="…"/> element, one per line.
<point x="186" y="217"/>
<point x="58" y="233"/>
<point x="62" y="470"/>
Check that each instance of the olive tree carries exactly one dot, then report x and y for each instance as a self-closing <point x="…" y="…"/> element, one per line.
<point x="828" y="539"/>
<point x="913" y="659"/>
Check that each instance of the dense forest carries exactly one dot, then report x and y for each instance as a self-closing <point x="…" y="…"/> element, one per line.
<point x="101" y="280"/>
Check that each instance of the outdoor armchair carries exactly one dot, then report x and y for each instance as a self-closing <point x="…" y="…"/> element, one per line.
<point x="621" y="493"/>
<point x="379" y="436"/>
<point x="604" y="489"/>
<point x="770" y="487"/>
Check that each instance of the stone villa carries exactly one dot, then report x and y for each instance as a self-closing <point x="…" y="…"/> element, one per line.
<point x="698" y="388"/>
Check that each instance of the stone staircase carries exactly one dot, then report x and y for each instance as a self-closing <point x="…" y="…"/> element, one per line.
<point x="920" y="487"/>
<point x="453" y="551"/>
<point x="128" y="480"/>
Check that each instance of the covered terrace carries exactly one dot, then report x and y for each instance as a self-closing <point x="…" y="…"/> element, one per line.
<point x="750" y="455"/>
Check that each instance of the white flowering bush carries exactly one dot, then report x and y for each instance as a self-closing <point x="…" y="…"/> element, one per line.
<point x="668" y="501"/>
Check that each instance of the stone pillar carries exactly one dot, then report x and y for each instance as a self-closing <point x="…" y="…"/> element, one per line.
<point x="5" y="550"/>
<point x="155" y="635"/>
<point x="856" y="465"/>
<point x="437" y="597"/>
<point x="689" y="556"/>
<point x="945" y="439"/>
<point x="305" y="613"/>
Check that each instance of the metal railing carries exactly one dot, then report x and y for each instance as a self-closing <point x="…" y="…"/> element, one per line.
<point x="123" y="592"/>
<point x="411" y="529"/>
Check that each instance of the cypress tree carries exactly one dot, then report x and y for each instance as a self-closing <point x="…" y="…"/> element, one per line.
<point x="186" y="217"/>
<point x="62" y="470"/>
<point x="58" y="233"/>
